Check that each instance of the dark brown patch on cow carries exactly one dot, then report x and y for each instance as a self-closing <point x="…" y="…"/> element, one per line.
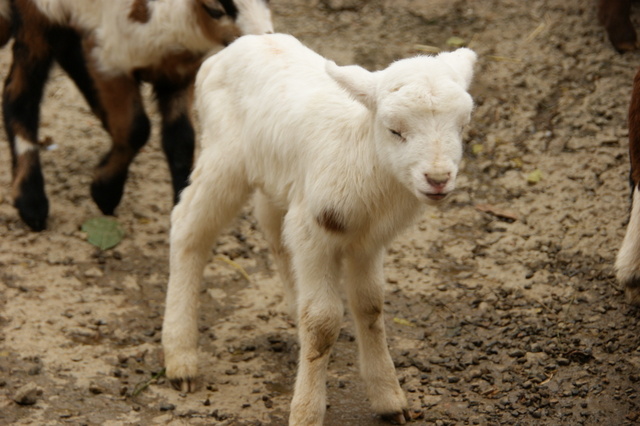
<point x="140" y="11"/>
<point x="215" y="30"/>
<point x="175" y="69"/>
<point x="332" y="221"/>
<point x="5" y="31"/>
<point x="31" y="51"/>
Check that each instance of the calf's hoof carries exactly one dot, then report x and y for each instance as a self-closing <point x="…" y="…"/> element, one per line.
<point x="181" y="369"/>
<point x="632" y="291"/>
<point x="399" y="418"/>
<point x="186" y="385"/>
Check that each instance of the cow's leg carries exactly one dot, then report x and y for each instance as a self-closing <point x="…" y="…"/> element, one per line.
<point x="70" y="55"/>
<point x="614" y="15"/>
<point x="178" y="137"/>
<point x="628" y="259"/>
<point x="129" y="128"/>
<point x="23" y="88"/>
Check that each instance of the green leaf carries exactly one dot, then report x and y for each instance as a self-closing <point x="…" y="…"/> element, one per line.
<point x="477" y="148"/>
<point x="103" y="232"/>
<point x="456" y="42"/>
<point x="403" y="321"/>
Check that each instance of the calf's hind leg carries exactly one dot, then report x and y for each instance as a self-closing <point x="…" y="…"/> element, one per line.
<point x="216" y="193"/>
<point x="271" y="220"/>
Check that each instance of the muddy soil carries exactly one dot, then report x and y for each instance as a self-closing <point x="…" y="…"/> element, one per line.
<point x="502" y="307"/>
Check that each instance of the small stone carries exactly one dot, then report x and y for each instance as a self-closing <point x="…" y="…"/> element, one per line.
<point x="93" y="273"/>
<point x="27" y="394"/>
<point x="167" y="407"/>
<point x="96" y="389"/>
<point x="518" y="353"/>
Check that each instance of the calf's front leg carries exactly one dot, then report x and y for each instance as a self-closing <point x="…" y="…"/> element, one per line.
<point x="364" y="281"/>
<point x="316" y="268"/>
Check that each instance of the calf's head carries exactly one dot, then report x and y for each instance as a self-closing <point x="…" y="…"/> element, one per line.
<point x="420" y="106"/>
<point x="222" y="21"/>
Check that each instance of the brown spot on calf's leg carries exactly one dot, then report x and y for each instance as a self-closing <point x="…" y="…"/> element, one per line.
<point x="322" y="331"/>
<point x="332" y="221"/>
<point x="140" y="11"/>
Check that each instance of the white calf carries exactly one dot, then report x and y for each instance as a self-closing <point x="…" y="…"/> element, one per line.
<point x="342" y="159"/>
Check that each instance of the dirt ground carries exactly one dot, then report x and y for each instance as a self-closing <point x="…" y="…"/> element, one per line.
<point x="502" y="307"/>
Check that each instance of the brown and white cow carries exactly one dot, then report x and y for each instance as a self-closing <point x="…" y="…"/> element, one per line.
<point x="108" y="47"/>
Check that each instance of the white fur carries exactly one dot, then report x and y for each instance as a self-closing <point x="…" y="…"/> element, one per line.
<point x="628" y="260"/>
<point x="22" y="146"/>
<point x="313" y="138"/>
<point x="123" y="44"/>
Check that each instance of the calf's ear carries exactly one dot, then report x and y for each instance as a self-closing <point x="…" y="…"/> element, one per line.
<point x="358" y="82"/>
<point x="462" y="61"/>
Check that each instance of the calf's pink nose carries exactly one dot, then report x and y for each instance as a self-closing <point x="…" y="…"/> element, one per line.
<point x="437" y="181"/>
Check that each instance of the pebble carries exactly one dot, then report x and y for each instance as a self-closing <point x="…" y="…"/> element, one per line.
<point x="518" y="353"/>
<point x="96" y="389"/>
<point x="167" y="407"/>
<point x="93" y="273"/>
<point x="27" y="394"/>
